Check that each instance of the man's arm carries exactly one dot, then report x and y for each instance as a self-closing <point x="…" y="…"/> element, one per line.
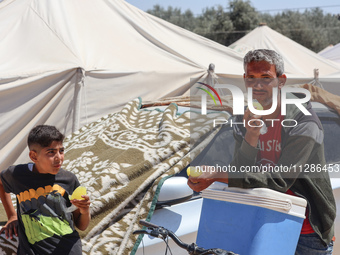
<point x="246" y="147"/>
<point x="296" y="153"/>
<point x="11" y="226"/>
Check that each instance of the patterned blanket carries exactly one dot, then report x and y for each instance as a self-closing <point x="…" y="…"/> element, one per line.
<point x="123" y="160"/>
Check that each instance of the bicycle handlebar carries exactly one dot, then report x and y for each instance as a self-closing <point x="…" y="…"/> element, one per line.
<point x="161" y="232"/>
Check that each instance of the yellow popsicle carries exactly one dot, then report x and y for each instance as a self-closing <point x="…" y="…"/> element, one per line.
<point x="77" y="193"/>
<point x="257" y="105"/>
<point x="194" y="171"/>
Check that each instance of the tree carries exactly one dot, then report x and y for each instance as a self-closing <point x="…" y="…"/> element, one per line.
<point x="244" y="18"/>
<point x="175" y="16"/>
<point x="312" y="28"/>
<point x="325" y="27"/>
<point x="214" y="24"/>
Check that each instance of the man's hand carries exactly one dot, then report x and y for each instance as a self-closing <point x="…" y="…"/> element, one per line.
<point x="253" y="127"/>
<point x="198" y="183"/>
<point x="11" y="227"/>
<point x="208" y="176"/>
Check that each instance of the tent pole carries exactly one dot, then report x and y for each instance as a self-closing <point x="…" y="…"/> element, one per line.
<point x="316" y="78"/>
<point x="77" y="102"/>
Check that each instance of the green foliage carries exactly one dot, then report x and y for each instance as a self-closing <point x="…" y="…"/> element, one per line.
<point x="175" y="16"/>
<point x="312" y="28"/>
<point x="244" y="19"/>
<point x="213" y="24"/>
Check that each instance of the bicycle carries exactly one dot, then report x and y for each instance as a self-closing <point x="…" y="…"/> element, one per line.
<point x="163" y="233"/>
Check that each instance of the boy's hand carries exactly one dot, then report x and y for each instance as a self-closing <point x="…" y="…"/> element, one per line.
<point x="82" y="215"/>
<point x="83" y="205"/>
<point x="11" y="227"/>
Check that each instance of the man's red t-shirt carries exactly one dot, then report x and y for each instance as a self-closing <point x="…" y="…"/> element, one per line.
<point x="269" y="154"/>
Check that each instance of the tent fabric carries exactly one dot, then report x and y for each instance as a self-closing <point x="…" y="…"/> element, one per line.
<point x="67" y="64"/>
<point x="300" y="62"/>
<point x="331" y="83"/>
<point x="325" y="49"/>
<point x="332" y="53"/>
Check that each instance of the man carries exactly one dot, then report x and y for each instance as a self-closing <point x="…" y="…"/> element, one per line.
<point x="295" y="147"/>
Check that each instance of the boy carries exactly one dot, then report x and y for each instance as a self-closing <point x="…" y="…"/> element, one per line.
<point x="43" y="224"/>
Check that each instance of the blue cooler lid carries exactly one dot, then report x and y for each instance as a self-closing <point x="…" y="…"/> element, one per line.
<point x="261" y="197"/>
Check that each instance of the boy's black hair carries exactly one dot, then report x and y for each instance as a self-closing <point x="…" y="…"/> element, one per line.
<point x="44" y="135"/>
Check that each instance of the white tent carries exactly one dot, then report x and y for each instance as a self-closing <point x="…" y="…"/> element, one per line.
<point x="332" y="53"/>
<point x="68" y="63"/>
<point x="300" y="62"/>
<point x="325" y="49"/>
<point x="331" y="82"/>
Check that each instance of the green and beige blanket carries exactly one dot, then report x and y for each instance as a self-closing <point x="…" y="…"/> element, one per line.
<point x="123" y="159"/>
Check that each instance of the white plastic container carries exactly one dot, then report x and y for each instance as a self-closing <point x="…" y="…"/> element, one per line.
<point x="250" y="221"/>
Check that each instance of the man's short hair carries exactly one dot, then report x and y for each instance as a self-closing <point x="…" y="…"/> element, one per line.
<point x="269" y="56"/>
<point x="44" y="135"/>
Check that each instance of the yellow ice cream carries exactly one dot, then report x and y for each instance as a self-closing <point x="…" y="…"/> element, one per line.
<point x="77" y="193"/>
<point x="257" y="105"/>
<point x="194" y="171"/>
